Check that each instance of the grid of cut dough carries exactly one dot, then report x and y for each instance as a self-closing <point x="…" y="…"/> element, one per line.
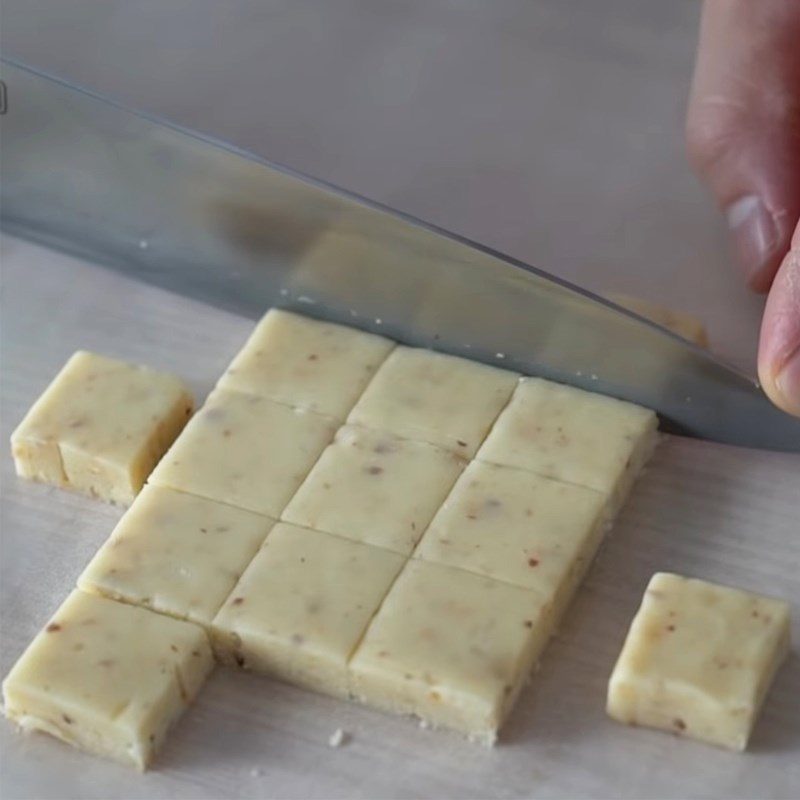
<point x="416" y="556"/>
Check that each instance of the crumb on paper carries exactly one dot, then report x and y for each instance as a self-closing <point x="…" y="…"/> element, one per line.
<point x="256" y="772"/>
<point x="338" y="738"/>
<point x="424" y="724"/>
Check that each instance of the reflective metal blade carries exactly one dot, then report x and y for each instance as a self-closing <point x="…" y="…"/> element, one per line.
<point x="202" y="218"/>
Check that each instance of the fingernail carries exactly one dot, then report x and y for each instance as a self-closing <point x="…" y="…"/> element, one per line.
<point x="787" y="382"/>
<point x="754" y="232"/>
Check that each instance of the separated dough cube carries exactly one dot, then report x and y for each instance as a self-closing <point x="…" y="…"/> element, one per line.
<point x="375" y="488"/>
<point x="108" y="678"/>
<point x="176" y="553"/>
<point x="575" y="436"/>
<point x="306" y="363"/>
<point x="429" y="396"/>
<point x="100" y="427"/>
<point x="698" y="660"/>
<point x="515" y="526"/>
<point x="302" y="605"/>
<point x="451" y="647"/>
<point x="246" y="451"/>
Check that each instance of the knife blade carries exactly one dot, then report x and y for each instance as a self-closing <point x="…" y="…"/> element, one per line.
<point x="203" y="218"/>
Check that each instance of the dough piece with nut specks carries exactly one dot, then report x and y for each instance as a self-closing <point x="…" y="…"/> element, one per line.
<point x="176" y="553"/>
<point x="518" y="527"/>
<point x="575" y="436"/>
<point x="302" y="605"/>
<point x="100" y="427"/>
<point x="698" y="660"/>
<point x="375" y="488"/>
<point x="246" y="451"/>
<point x="684" y="325"/>
<point x="451" y="647"/>
<point x="108" y="678"/>
<point x="436" y="398"/>
<point x="306" y="363"/>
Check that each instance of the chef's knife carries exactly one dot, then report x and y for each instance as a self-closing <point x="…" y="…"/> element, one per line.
<point x="199" y="217"/>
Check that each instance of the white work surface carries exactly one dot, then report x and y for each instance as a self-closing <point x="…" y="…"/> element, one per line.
<point x="550" y="129"/>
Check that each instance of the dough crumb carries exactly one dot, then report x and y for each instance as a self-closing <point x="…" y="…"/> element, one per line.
<point x="338" y="738"/>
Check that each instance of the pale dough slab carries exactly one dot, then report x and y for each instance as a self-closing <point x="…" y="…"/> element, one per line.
<point x="571" y="435"/>
<point x="451" y="647"/>
<point x="302" y="606"/>
<point x="246" y="451"/>
<point x="107" y="677"/>
<point x="176" y="553"/>
<point x="698" y="660"/>
<point x="375" y="488"/>
<point x="101" y="426"/>
<point x="306" y="363"/>
<point x="518" y="527"/>
<point x="436" y="398"/>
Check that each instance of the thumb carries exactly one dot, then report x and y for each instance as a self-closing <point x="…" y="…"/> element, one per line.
<point x="779" y="348"/>
<point x="743" y="125"/>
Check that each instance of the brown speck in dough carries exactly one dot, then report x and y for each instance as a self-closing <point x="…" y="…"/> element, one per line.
<point x="374" y="470"/>
<point x="67" y="719"/>
<point x="461" y="443"/>
<point x="326" y="485"/>
<point x="239" y="659"/>
<point x="472" y="516"/>
<point x="53" y="627"/>
<point x="203" y="530"/>
<point x="413" y="526"/>
<point x="302" y="559"/>
<point x="196" y="653"/>
<point x="237" y="601"/>
<point x="533" y="562"/>
<point x="382" y="447"/>
<point x="679" y="724"/>
<point x="492" y="502"/>
<point x="435" y="696"/>
<point x="173" y="648"/>
<point x="528" y="623"/>
<point x="528" y="512"/>
<point x="313" y="606"/>
<point x="78" y="646"/>
<point x="79" y="422"/>
<point x="670" y="628"/>
<point x="151" y="738"/>
<point x="383" y="653"/>
<point x="298" y="639"/>
<point x="222" y="528"/>
<point x="313" y="357"/>
<point x="226" y="433"/>
<point x="106" y="662"/>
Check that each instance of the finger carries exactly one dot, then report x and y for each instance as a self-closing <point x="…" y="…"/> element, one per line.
<point x="779" y="348"/>
<point x="743" y="125"/>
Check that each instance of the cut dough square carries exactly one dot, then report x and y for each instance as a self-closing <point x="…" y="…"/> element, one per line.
<point x="575" y="436"/>
<point x="436" y="398"/>
<point x="246" y="451"/>
<point x="375" y="488"/>
<point x="519" y="527"/>
<point x="302" y="605"/>
<point x="698" y="660"/>
<point x="306" y="363"/>
<point x="100" y="427"/>
<point x="451" y="647"/>
<point x="176" y="553"/>
<point x="108" y="678"/>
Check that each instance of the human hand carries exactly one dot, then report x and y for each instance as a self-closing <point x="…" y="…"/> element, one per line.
<point x="743" y="139"/>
